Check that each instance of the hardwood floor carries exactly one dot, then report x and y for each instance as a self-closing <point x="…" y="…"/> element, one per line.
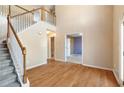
<point x="60" y="74"/>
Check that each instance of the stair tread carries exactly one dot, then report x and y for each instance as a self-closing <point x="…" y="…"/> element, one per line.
<point x="5" y="61"/>
<point x="3" y="43"/>
<point x="4" y="54"/>
<point x="14" y="84"/>
<point x="11" y="75"/>
<point x="2" y="49"/>
<point x="4" y="58"/>
<point x="4" y="64"/>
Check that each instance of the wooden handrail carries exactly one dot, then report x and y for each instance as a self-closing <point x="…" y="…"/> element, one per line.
<point x="33" y="11"/>
<point x="22" y="8"/>
<point x="17" y="38"/>
<point x="23" y="49"/>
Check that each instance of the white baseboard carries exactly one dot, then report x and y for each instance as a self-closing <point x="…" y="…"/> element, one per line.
<point x="110" y="69"/>
<point x="104" y="68"/>
<point x="117" y="78"/>
<point x="36" y="65"/>
<point x="60" y="60"/>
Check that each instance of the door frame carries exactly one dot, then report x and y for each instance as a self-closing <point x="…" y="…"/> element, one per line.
<point x="65" y="46"/>
<point x="49" y="52"/>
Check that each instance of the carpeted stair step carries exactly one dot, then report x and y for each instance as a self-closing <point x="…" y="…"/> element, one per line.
<point x="2" y="49"/>
<point x="3" y="45"/>
<point x="8" y="76"/>
<point x="5" y="63"/>
<point x="5" y="55"/>
<point x="5" y="51"/>
<point x="7" y="79"/>
<point x="6" y="70"/>
<point x="4" y="58"/>
<point x="14" y="84"/>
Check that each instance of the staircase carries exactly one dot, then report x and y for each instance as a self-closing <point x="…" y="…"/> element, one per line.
<point x="8" y="76"/>
<point x="17" y="19"/>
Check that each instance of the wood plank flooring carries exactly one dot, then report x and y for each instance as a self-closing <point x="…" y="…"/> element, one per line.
<point x="60" y="74"/>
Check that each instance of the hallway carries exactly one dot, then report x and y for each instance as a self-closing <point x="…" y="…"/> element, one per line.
<point x="60" y="74"/>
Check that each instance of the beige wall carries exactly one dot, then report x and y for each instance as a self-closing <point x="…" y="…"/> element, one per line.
<point x="35" y="40"/>
<point x="118" y="12"/>
<point x="96" y="25"/>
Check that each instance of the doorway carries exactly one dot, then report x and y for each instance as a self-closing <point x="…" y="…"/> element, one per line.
<point x="51" y="44"/>
<point x="73" y="48"/>
<point x="52" y="47"/>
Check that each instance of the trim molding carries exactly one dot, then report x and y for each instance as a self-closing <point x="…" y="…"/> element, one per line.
<point x="31" y="67"/>
<point x="110" y="69"/>
<point x="61" y="60"/>
<point x="117" y="78"/>
<point x="104" y="68"/>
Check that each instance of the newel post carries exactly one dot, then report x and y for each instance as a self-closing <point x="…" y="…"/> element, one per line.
<point x="43" y="14"/>
<point x="24" y="65"/>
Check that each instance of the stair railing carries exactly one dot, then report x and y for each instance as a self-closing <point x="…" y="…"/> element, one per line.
<point x="20" y="19"/>
<point x="23" y="49"/>
<point x="11" y="33"/>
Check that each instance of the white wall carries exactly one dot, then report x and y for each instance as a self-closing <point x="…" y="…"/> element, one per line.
<point x="35" y="40"/>
<point x="118" y="14"/>
<point x="3" y="28"/>
<point x="96" y="25"/>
